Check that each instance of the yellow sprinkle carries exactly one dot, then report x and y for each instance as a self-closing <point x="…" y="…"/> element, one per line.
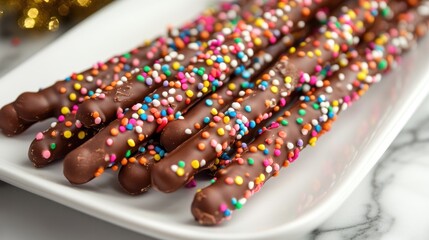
<point x="310" y="54"/>
<point x="140" y="111"/>
<point x="262" y="177"/>
<point x="195" y="164"/>
<point x="312" y="141"/>
<point x="81" y="135"/>
<point x="292" y="50"/>
<point x="131" y="142"/>
<point x="274" y="89"/>
<point x="336" y="48"/>
<point x="206" y="84"/>
<point x="204" y="89"/>
<point x="65" y="110"/>
<point x="361" y="76"/>
<point x="318" y="52"/>
<point x="67" y="134"/>
<point x="288" y="79"/>
<point x="232" y="86"/>
<point x="189" y="93"/>
<point x="227" y="59"/>
<point x="257" y="41"/>
<point x="72" y="96"/>
<point x="335" y="103"/>
<point x="220" y="131"/>
<point x="261" y="147"/>
<point x="238" y="180"/>
<point x="77" y="86"/>
<point x="209" y="62"/>
<point x="259" y="22"/>
<point x="175" y="65"/>
<point x="157" y="157"/>
<point x="352" y="14"/>
<point x="79" y="77"/>
<point x="226" y="119"/>
<point x="180" y="172"/>
<point x="213" y="111"/>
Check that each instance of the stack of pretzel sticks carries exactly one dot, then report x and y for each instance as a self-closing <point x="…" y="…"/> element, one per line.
<point x="220" y="65"/>
<point x="309" y="118"/>
<point x="63" y="99"/>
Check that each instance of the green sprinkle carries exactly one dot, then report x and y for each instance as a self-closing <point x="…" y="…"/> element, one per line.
<point x="382" y="65"/>
<point x="181" y="164"/>
<point x="385" y="12"/>
<point x="284" y="122"/>
<point x="53" y="146"/>
<point x="301" y="112"/>
<point x="316" y="106"/>
<point x="140" y="78"/>
<point x="128" y="153"/>
<point x="238" y="205"/>
<point x="146" y="68"/>
<point x="299" y="120"/>
<point x="251" y="161"/>
<point x="126" y="55"/>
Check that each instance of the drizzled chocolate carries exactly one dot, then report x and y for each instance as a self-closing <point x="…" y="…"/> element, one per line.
<point x="270" y="94"/>
<point x="210" y="71"/>
<point x="306" y="121"/>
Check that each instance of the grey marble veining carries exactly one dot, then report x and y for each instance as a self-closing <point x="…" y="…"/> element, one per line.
<point x="393" y="200"/>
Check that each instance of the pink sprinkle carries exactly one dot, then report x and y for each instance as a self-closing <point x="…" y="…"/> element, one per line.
<point x="217" y="118"/>
<point x="179" y="98"/>
<point x="266" y="162"/>
<point x="277" y="152"/>
<point x="132" y="121"/>
<point x="102" y="96"/>
<point x="223" y="207"/>
<point x="150" y="118"/>
<point x="240" y="161"/>
<point x="282" y="102"/>
<point x="112" y="158"/>
<point x="78" y="124"/>
<point x="122" y="128"/>
<point x="213" y="143"/>
<point x="164" y="102"/>
<point x="158" y="79"/>
<point x="46" y="154"/>
<point x="191" y="184"/>
<point x="170" y="110"/>
<point x="61" y="118"/>
<point x="39" y="136"/>
<point x="136" y="62"/>
<point x="97" y="120"/>
<point x="149" y="55"/>
<point x="314" y="133"/>
<point x="109" y="142"/>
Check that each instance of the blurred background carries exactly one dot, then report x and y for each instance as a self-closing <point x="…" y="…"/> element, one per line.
<point x="26" y="26"/>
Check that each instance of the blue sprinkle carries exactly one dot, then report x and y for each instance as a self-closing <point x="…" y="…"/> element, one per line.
<point x="248" y="108"/>
<point x="227" y="213"/>
<point x="219" y="59"/>
<point x="129" y="126"/>
<point x="163" y="113"/>
<point x="266" y="152"/>
<point x="318" y="128"/>
<point x="206" y="120"/>
<point x="148" y="99"/>
<point x="240" y="55"/>
<point x="143" y="116"/>
<point x="145" y="107"/>
<point x="155" y="96"/>
<point x="234" y="201"/>
<point x="209" y="102"/>
<point x="232" y="114"/>
<point x="246" y="74"/>
<point x="330" y="114"/>
<point x="252" y="124"/>
<point x="90" y="93"/>
<point x="142" y="149"/>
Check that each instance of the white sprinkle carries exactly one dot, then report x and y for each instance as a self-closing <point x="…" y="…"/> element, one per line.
<point x="188" y="131"/>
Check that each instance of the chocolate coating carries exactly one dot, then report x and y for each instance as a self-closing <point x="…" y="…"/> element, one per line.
<point x="10" y="123"/>
<point x="214" y="204"/>
<point x="270" y="94"/>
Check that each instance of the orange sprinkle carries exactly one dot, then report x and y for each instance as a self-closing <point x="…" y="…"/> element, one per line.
<point x="132" y="159"/>
<point x="114" y="131"/>
<point x="124" y="161"/>
<point x="253" y="149"/>
<point x="68" y="123"/>
<point x="201" y="146"/>
<point x="115" y="168"/>
<point x="143" y="161"/>
<point x="205" y="134"/>
<point x="197" y="126"/>
<point x="63" y="90"/>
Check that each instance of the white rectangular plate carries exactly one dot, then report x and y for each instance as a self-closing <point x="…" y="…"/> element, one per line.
<point x="294" y="203"/>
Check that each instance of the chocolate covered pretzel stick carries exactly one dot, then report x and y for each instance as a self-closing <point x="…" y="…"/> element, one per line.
<point x="306" y="121"/>
<point x="134" y="177"/>
<point x="60" y="98"/>
<point x="207" y="73"/>
<point x="67" y="133"/>
<point x="101" y="109"/>
<point x="199" y="116"/>
<point x="271" y="93"/>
